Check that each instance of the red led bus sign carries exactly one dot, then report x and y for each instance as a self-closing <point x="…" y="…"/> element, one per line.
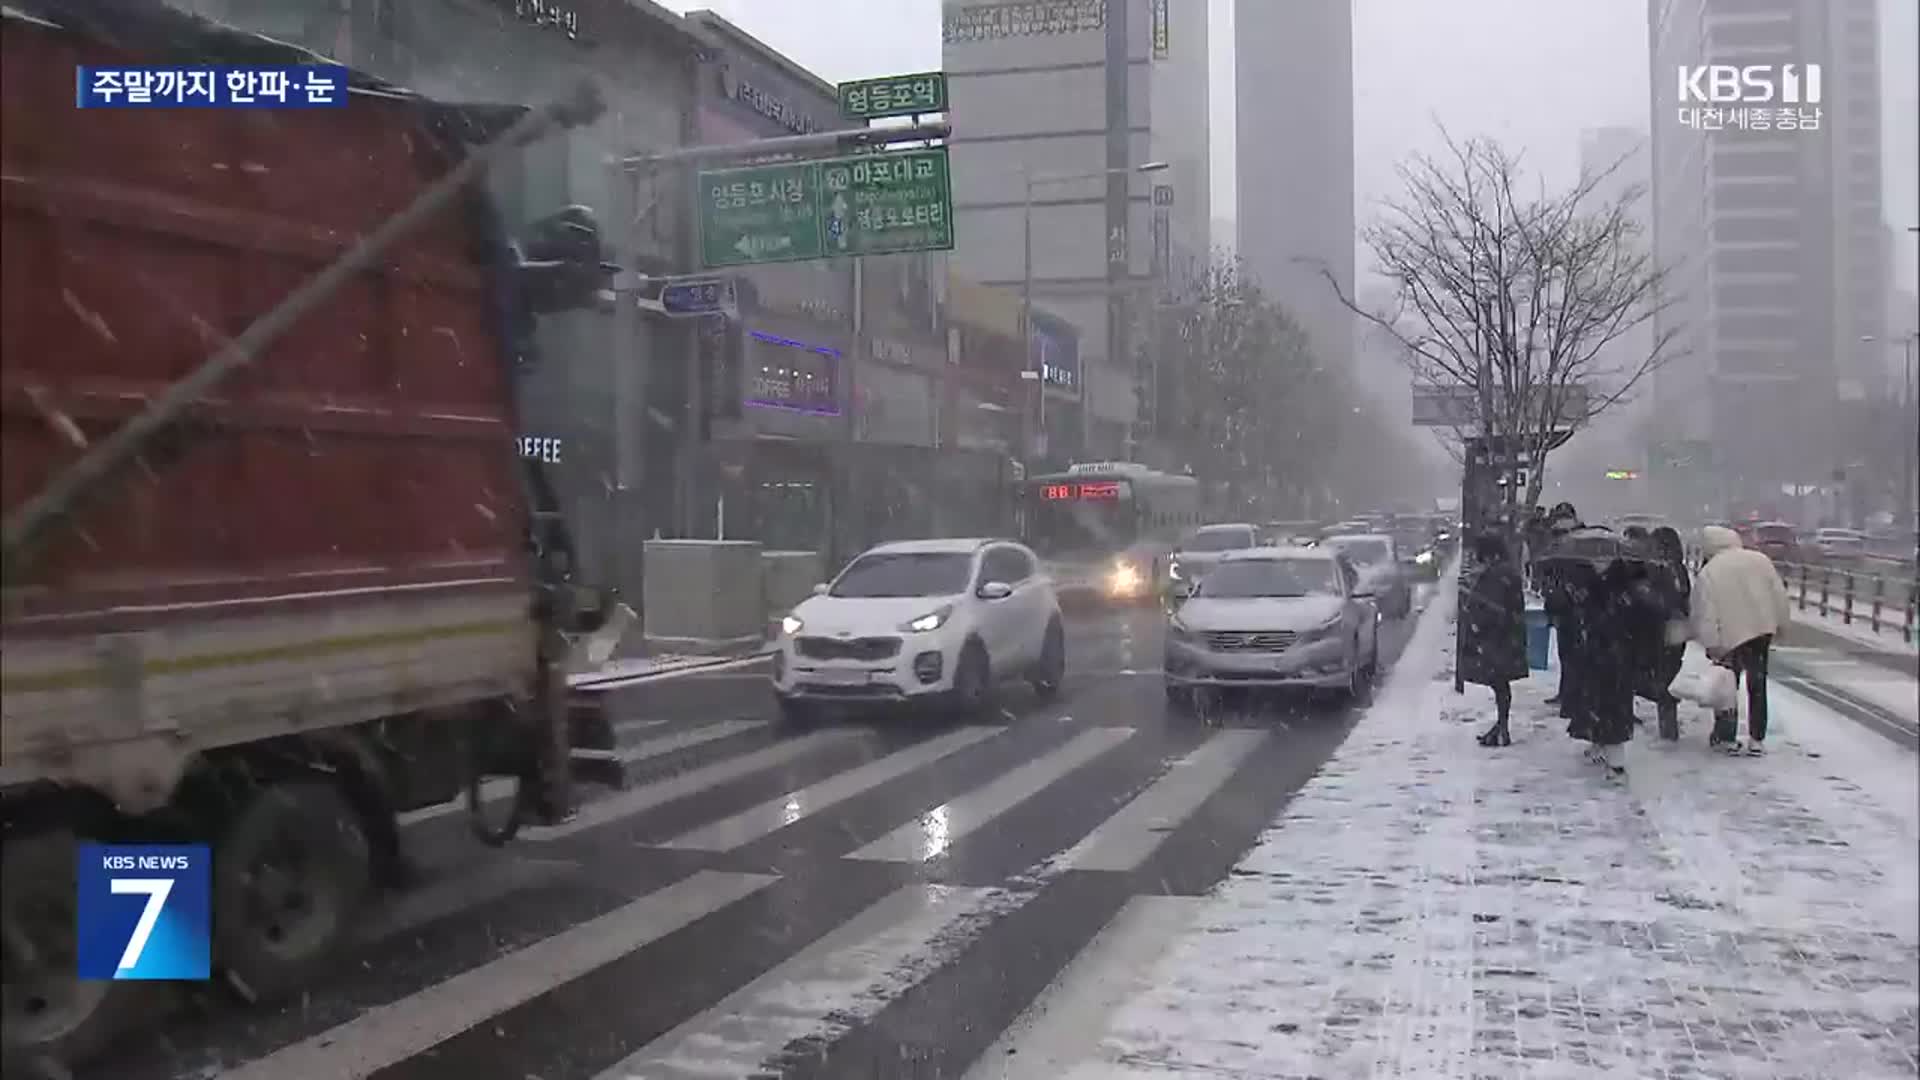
<point x="1092" y="489"/>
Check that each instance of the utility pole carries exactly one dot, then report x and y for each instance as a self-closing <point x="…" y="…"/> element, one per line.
<point x="1119" y="352"/>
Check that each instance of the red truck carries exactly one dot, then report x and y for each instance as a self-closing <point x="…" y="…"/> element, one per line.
<point x="275" y="571"/>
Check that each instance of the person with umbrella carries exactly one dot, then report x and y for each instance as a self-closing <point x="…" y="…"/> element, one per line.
<point x="1562" y="586"/>
<point x="1493" y="648"/>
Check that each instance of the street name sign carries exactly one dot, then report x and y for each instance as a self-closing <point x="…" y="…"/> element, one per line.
<point x="895" y="95"/>
<point x="694" y="297"/>
<point x="869" y="204"/>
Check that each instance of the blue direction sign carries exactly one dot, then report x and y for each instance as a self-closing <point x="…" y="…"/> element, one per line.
<point x="697" y="296"/>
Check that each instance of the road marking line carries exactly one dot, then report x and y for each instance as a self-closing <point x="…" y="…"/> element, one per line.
<point x="1126" y="839"/>
<point x="691" y="782"/>
<point x="1063" y="1027"/>
<point x="458" y="892"/>
<point x="679" y="740"/>
<point x="825" y="989"/>
<point x="415" y="1024"/>
<point x="615" y="682"/>
<point x="934" y="832"/>
<point x="502" y="788"/>
<point x="778" y="813"/>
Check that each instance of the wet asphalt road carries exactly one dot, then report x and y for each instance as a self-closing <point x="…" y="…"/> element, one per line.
<point x="878" y="897"/>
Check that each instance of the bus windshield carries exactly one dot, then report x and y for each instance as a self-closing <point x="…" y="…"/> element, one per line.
<point x="1079" y="517"/>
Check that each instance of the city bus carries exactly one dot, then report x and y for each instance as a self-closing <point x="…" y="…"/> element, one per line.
<point x="1108" y="526"/>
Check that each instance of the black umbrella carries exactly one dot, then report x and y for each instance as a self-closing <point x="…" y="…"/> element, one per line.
<point x="1594" y="547"/>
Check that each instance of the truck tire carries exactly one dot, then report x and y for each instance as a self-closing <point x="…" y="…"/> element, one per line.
<point x="289" y="879"/>
<point x="50" y="1014"/>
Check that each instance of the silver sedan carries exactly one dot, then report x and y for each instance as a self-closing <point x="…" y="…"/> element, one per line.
<point x="1273" y="618"/>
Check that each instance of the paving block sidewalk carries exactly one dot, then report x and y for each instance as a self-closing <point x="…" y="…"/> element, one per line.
<point x="1429" y="908"/>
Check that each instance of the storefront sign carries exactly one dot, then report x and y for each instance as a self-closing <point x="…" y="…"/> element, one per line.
<point x="1055" y="355"/>
<point x="784" y="373"/>
<point x="985" y="22"/>
<point x="739" y="89"/>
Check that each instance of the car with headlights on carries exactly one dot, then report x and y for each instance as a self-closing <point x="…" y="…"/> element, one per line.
<point x="1200" y="550"/>
<point x="1273" y="618"/>
<point x="1382" y="574"/>
<point x="924" y="623"/>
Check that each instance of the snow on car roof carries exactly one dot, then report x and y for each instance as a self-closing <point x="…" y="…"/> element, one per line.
<point x="1276" y="551"/>
<point x="952" y="545"/>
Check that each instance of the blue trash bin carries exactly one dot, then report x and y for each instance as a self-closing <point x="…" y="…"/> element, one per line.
<point x="1539" y="638"/>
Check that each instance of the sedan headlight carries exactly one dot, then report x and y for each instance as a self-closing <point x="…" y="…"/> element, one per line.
<point x="1178" y="630"/>
<point x="791" y="625"/>
<point x="932" y="620"/>
<point x="1423" y="558"/>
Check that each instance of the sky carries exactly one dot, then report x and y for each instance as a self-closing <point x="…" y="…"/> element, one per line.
<point x="1535" y="73"/>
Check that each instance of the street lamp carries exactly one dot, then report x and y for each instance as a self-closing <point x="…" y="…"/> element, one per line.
<point x="1033" y="180"/>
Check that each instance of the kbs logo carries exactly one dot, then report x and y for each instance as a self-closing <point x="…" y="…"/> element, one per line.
<point x="1752" y="84"/>
<point x="143" y="911"/>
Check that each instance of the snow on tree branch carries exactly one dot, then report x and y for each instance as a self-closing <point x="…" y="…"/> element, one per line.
<point x="1523" y="295"/>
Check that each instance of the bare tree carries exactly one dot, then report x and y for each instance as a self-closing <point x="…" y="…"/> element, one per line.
<point x="1268" y="428"/>
<point x="1520" y="297"/>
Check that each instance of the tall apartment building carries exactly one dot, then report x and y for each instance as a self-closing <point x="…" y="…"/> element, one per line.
<point x="1775" y="237"/>
<point x="1029" y="100"/>
<point x="1293" y="64"/>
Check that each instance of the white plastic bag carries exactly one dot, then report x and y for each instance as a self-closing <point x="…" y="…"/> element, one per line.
<point x="1711" y="686"/>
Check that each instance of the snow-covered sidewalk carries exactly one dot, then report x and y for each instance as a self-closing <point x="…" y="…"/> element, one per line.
<point x="1429" y="908"/>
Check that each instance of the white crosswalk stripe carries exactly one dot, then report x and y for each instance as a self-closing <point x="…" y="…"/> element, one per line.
<point x="413" y="1025"/>
<point x="776" y="814"/>
<point x="938" y="829"/>
<point x="691" y="782"/>
<point x="1124" y="840"/>
<point x="828" y="986"/>
<point x="824" y="989"/>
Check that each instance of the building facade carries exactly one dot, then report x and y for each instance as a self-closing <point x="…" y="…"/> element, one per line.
<point x="1775" y="232"/>
<point x="1030" y="95"/>
<point x="1293" y="65"/>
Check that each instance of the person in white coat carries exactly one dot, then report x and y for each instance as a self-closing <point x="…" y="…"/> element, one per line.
<point x="1739" y="606"/>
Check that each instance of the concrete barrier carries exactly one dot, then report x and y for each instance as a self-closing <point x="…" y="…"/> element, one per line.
<point x="789" y="577"/>
<point x="704" y="596"/>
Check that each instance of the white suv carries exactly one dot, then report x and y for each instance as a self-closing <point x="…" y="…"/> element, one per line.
<point x="922" y="622"/>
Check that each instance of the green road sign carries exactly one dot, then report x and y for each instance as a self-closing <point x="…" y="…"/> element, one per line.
<point x="896" y="95"/>
<point x="869" y="204"/>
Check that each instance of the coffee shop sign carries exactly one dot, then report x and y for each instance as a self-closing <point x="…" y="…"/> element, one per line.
<point x="759" y="100"/>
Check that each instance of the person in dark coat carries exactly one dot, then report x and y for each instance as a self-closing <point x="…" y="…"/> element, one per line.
<point x="1494" y="646"/>
<point x="1619" y="614"/>
<point x="1537" y="537"/>
<point x="1562" y="587"/>
<point x="1673" y="596"/>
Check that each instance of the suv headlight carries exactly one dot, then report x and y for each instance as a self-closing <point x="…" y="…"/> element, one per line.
<point x="1423" y="558"/>
<point x="932" y="620"/>
<point x="791" y="625"/>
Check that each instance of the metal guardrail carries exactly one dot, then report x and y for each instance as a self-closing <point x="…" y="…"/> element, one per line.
<point x="1889" y="598"/>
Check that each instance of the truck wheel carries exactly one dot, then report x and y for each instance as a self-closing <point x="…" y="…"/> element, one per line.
<point x="288" y="879"/>
<point x="49" y="1013"/>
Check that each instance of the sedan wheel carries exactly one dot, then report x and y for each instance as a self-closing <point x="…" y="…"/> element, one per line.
<point x="1051" y="671"/>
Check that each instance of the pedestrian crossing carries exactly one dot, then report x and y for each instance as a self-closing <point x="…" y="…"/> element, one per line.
<point x="701" y="953"/>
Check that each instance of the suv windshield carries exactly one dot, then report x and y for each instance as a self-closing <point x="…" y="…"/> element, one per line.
<point x="1218" y="540"/>
<point x="1362" y="551"/>
<point x="899" y="573"/>
<point x="1248" y="578"/>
